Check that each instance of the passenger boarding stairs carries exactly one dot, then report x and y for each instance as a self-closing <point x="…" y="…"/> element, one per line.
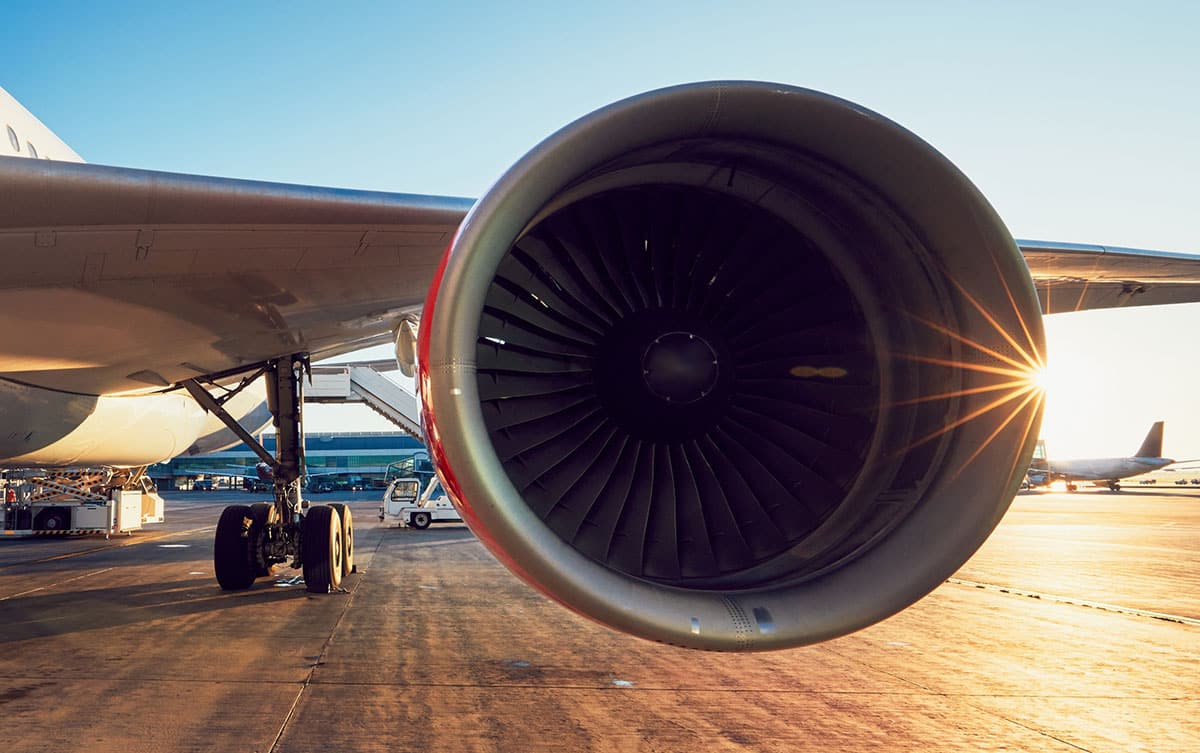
<point x="362" y="382"/>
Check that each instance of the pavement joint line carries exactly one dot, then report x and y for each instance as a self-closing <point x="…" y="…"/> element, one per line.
<point x="106" y="547"/>
<point x="601" y="688"/>
<point x="1077" y="602"/>
<point x="320" y="660"/>
<point x="965" y="699"/>
<point x="880" y="670"/>
<point x="52" y="585"/>
<point x="1015" y="722"/>
<point x="1034" y="730"/>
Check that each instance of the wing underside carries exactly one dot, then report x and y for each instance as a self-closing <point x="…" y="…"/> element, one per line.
<point x="119" y="279"/>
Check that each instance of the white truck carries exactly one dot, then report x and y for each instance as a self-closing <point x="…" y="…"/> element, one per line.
<point x="406" y="502"/>
<point x="40" y="502"/>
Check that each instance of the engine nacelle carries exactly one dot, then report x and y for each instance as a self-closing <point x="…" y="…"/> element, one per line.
<point x="732" y="366"/>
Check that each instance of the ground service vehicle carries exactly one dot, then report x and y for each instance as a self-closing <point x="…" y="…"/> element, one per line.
<point x="405" y="500"/>
<point x="90" y="500"/>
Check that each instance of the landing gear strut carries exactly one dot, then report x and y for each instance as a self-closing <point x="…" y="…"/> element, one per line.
<point x="252" y="539"/>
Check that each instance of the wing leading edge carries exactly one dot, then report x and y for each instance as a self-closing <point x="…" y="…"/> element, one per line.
<point x="1077" y="277"/>
<point x="119" y="279"/>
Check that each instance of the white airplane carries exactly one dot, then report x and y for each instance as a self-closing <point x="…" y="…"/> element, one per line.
<point x="1108" y="470"/>
<point x="729" y="365"/>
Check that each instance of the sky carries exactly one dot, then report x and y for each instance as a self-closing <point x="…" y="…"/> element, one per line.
<point x="1077" y="120"/>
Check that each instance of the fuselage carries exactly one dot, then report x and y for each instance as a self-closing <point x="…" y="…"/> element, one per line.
<point x="25" y="136"/>
<point x="1104" y="469"/>
<point x="51" y="428"/>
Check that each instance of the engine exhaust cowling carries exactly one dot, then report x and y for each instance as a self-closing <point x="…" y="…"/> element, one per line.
<point x="734" y="366"/>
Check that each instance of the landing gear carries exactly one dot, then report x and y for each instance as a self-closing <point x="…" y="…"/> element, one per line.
<point x="262" y="523"/>
<point x="233" y="557"/>
<point x="347" y="534"/>
<point x="1114" y="486"/>
<point x="321" y="549"/>
<point x="251" y="539"/>
<point x="1071" y="487"/>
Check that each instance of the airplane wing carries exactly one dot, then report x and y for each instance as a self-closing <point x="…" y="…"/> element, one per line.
<point x="1076" y="277"/>
<point x="118" y="279"/>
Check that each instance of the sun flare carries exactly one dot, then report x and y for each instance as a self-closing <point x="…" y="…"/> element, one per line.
<point x="1042" y="379"/>
<point x="1014" y="382"/>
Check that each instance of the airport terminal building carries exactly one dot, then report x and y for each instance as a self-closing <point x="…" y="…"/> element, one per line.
<point x="350" y="457"/>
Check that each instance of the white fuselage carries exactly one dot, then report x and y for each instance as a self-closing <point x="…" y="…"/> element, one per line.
<point x="23" y="135"/>
<point x="63" y="429"/>
<point x="1104" y="469"/>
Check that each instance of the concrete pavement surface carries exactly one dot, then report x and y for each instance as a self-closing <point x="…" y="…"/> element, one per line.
<point x="1075" y="628"/>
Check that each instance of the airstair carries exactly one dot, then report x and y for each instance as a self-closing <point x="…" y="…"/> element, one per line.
<point x="362" y="382"/>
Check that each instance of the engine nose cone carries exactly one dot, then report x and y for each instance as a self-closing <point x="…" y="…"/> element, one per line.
<point x="680" y="367"/>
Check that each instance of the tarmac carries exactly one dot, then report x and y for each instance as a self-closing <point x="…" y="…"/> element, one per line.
<point x="1075" y="628"/>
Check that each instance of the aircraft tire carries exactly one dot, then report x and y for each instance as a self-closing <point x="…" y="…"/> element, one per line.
<point x="260" y="513"/>
<point x="347" y="533"/>
<point x="321" y="548"/>
<point x="231" y="553"/>
<point x="420" y="520"/>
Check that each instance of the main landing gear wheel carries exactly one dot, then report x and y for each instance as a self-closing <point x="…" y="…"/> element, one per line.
<point x="1114" y="486"/>
<point x="321" y="549"/>
<point x="231" y="549"/>
<point x="420" y="520"/>
<point x="347" y="529"/>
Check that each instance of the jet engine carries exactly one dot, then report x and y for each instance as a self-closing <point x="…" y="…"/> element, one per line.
<point x="733" y="366"/>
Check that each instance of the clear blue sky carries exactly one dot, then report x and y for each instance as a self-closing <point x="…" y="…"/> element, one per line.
<point x="1079" y="121"/>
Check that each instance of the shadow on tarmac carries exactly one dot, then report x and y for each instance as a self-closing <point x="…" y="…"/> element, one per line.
<point x="50" y="615"/>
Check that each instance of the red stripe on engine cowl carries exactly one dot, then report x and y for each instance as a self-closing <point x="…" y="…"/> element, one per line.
<point x="437" y="451"/>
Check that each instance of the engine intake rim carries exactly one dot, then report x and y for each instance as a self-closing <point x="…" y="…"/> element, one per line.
<point x="938" y="243"/>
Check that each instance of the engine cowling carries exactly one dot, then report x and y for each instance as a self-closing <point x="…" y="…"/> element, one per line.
<point x="734" y="366"/>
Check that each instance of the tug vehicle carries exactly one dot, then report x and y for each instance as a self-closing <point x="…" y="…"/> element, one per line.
<point x="415" y="507"/>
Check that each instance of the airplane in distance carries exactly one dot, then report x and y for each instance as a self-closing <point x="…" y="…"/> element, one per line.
<point x="730" y="365"/>
<point x="1110" y="471"/>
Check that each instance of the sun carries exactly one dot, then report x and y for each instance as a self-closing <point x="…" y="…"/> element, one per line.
<point x="1042" y="379"/>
